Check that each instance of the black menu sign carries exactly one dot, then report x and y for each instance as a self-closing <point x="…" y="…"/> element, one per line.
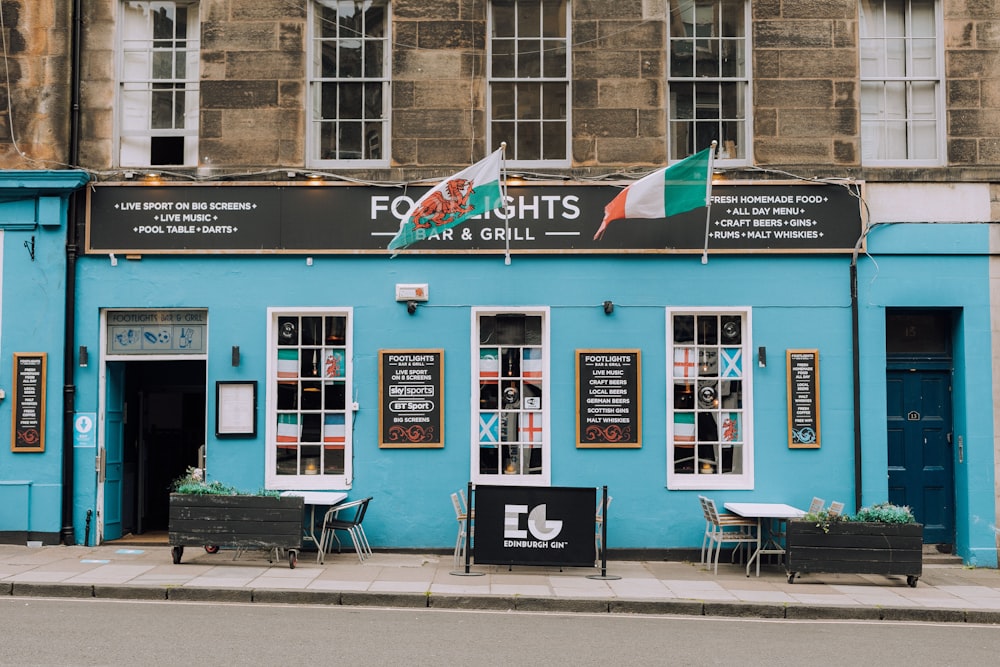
<point x="29" y="403"/>
<point x="609" y="398"/>
<point x="803" y="398"/>
<point x="411" y="400"/>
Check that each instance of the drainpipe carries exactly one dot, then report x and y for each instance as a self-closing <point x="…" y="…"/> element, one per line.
<point x="66" y="536"/>
<point x="856" y="352"/>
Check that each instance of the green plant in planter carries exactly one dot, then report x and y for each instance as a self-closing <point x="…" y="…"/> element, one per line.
<point x="193" y="483"/>
<point x="824" y="519"/>
<point x="885" y="513"/>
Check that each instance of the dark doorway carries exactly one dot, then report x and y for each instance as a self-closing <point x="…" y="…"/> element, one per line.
<point x="164" y="432"/>
<point x="919" y="418"/>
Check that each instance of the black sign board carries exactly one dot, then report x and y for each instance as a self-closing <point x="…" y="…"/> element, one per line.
<point x="803" y="398"/>
<point x="782" y="217"/>
<point x="411" y="398"/>
<point x="521" y="525"/>
<point x="29" y="402"/>
<point x="608" y="398"/>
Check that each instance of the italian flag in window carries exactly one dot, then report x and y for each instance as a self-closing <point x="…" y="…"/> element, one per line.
<point x="489" y="365"/>
<point x="334" y="429"/>
<point x="684" y="427"/>
<point x="288" y="364"/>
<point x="288" y="428"/>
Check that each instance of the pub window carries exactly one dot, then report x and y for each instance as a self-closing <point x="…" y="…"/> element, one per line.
<point x="158" y="87"/>
<point x="309" y="433"/>
<point x="709" y="77"/>
<point x="709" y="433"/>
<point x="529" y="80"/>
<point x="349" y="82"/>
<point x="511" y="424"/>
<point x="901" y="82"/>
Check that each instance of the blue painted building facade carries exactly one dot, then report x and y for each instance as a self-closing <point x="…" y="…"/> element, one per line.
<point x="914" y="278"/>
<point x="34" y="207"/>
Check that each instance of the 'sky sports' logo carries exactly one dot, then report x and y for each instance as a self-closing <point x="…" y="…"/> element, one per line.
<point x="540" y="527"/>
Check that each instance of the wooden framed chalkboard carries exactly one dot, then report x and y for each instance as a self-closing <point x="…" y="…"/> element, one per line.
<point x="608" y="398"/>
<point x="28" y="431"/>
<point x="411" y="398"/>
<point x="802" y="367"/>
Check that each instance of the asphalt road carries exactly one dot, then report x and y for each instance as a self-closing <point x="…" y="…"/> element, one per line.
<point x="57" y="632"/>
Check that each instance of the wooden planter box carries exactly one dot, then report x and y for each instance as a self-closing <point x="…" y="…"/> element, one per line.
<point x="243" y="522"/>
<point x="855" y="548"/>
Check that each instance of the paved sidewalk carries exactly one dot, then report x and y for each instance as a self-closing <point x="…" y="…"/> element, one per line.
<point x="945" y="593"/>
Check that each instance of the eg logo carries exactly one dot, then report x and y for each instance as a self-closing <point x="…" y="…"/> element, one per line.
<point x="540" y="527"/>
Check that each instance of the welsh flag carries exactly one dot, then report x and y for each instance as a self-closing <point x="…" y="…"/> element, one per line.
<point x="680" y="187"/>
<point x="471" y="192"/>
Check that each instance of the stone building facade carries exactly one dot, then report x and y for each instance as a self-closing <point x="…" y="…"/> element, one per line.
<point x="184" y="103"/>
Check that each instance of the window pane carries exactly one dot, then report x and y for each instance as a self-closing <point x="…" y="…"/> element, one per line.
<point x="310" y="395"/>
<point x="707" y="408"/>
<point x="510" y="379"/>
<point x="350" y="83"/>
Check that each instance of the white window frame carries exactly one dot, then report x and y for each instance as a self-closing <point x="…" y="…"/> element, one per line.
<point x="511" y="153"/>
<point x="315" y="81"/>
<point x="134" y="61"/>
<point x="870" y="134"/>
<point x="543" y="479"/>
<point x="304" y="481"/>
<point x="685" y="481"/>
<point x="745" y="81"/>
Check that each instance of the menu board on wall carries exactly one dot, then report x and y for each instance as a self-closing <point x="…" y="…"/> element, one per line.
<point x="411" y="398"/>
<point x="803" y="398"/>
<point x="29" y="402"/>
<point x="608" y="398"/>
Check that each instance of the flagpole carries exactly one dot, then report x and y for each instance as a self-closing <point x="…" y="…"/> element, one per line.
<point x="503" y="198"/>
<point x="708" y="200"/>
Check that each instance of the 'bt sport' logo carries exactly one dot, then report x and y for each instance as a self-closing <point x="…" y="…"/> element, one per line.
<point x="542" y="529"/>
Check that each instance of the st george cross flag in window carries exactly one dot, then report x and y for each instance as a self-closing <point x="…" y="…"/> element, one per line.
<point x="471" y="192"/>
<point x="678" y="188"/>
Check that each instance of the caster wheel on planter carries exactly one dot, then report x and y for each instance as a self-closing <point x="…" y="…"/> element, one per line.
<point x="177" y="552"/>
<point x="791" y="577"/>
<point x="293" y="559"/>
<point x="911" y="581"/>
<point x="212" y="548"/>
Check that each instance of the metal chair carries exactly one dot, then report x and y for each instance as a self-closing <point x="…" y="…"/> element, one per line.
<point x="725" y="528"/>
<point x="816" y="505"/>
<point x="461" y="514"/>
<point x="348" y="522"/>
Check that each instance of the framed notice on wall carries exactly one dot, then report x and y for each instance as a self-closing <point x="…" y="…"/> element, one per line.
<point x="236" y="409"/>
<point x="411" y="398"/>
<point x="802" y="367"/>
<point x="608" y="398"/>
<point x="28" y="431"/>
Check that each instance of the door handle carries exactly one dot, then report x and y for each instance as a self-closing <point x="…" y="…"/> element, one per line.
<point x="99" y="465"/>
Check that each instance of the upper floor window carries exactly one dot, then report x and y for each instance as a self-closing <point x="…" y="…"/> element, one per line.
<point x="709" y="410"/>
<point x="901" y="85"/>
<point x="529" y="69"/>
<point x="158" y="110"/>
<point x="709" y="77"/>
<point x="309" y="434"/>
<point x="511" y="436"/>
<point x="349" y="82"/>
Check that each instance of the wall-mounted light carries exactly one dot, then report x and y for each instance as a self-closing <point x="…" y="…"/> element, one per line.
<point x="609" y="307"/>
<point x="309" y="261"/>
<point x="762" y="356"/>
<point x="411" y="307"/>
<point x="83" y="356"/>
<point x="114" y="260"/>
<point x="236" y="355"/>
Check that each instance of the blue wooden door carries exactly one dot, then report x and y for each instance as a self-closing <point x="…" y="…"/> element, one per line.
<point x="921" y="463"/>
<point x="114" y="447"/>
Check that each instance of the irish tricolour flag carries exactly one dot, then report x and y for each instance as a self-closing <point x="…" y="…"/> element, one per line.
<point x="678" y="188"/>
<point x="471" y="192"/>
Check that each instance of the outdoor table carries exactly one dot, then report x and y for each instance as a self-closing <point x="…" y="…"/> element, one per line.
<point x="314" y="499"/>
<point x="770" y="513"/>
